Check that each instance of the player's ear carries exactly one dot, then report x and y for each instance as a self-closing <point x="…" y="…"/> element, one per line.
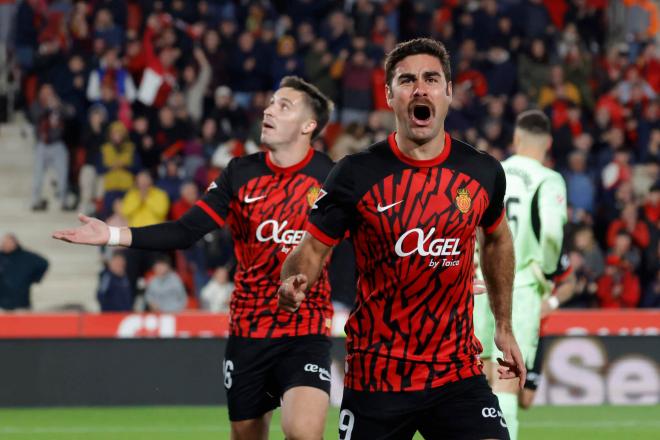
<point x="388" y="95"/>
<point x="309" y="126"/>
<point x="450" y="90"/>
<point x="548" y="143"/>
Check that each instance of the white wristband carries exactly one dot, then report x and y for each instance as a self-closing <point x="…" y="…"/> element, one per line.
<point x="115" y="234"/>
<point x="553" y="302"/>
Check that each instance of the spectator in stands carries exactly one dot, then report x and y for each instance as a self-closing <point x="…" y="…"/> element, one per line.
<point x="145" y="204"/>
<point x="19" y="269"/>
<point x="228" y="116"/>
<point x="632" y="225"/>
<point x="169" y="134"/>
<point x="557" y="89"/>
<point x="159" y="77"/>
<point x="248" y="75"/>
<point x="196" y="84"/>
<point x="287" y="61"/>
<point x="106" y="29"/>
<point x="110" y="72"/>
<point x="48" y="115"/>
<point x="114" y="293"/>
<point x="581" y="190"/>
<point x="318" y="64"/>
<point x="142" y="206"/>
<point x="143" y="139"/>
<point x="533" y="69"/>
<point x="93" y="137"/>
<point x="165" y="292"/>
<point x="119" y="162"/>
<point x="217" y="292"/>
<point x="170" y="179"/>
<point x="356" y="85"/>
<point x="619" y="286"/>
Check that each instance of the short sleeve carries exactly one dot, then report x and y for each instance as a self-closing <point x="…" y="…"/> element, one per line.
<point x="334" y="208"/>
<point x="215" y="202"/>
<point x="495" y="211"/>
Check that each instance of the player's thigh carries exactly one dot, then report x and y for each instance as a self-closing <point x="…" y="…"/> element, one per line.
<point x="248" y="378"/>
<point x="305" y="362"/>
<point x="304" y="411"/>
<point x="484" y="325"/>
<point x="368" y="416"/>
<point x="475" y="414"/>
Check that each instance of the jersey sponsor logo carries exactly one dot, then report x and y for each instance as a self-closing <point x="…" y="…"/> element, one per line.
<point x="380" y="208"/>
<point x="322" y="193"/>
<point x="249" y="199"/>
<point x="313" y="195"/>
<point x="213" y="185"/>
<point x="492" y="413"/>
<point x="323" y="373"/>
<point x="463" y="200"/>
<point x="273" y="230"/>
<point x="425" y="245"/>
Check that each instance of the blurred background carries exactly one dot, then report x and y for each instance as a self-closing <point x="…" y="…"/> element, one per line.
<point x="126" y="110"/>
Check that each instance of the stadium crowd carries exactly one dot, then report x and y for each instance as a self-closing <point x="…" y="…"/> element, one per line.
<point x="139" y="105"/>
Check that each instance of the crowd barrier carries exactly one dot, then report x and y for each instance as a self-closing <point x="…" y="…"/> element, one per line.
<point x="592" y="358"/>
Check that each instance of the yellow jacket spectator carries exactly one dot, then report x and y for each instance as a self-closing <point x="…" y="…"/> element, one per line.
<point x="558" y="88"/>
<point x="118" y="158"/>
<point x="145" y="204"/>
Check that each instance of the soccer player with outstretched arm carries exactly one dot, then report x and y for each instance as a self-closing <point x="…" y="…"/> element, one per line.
<point x="272" y="356"/>
<point x="413" y="205"/>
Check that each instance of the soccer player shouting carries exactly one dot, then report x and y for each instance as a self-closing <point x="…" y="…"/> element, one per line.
<point x="265" y="199"/>
<point x="413" y="205"/>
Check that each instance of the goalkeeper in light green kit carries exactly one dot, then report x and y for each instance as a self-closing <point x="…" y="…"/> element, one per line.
<point x="535" y="205"/>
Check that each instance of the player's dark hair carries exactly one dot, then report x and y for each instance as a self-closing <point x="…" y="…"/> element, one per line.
<point x="534" y="121"/>
<point x="418" y="46"/>
<point x="320" y="104"/>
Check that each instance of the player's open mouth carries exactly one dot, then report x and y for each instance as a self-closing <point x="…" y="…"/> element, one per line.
<point x="267" y="124"/>
<point x="420" y="114"/>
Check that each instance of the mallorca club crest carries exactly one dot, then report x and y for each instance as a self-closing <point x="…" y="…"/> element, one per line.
<point x="463" y="200"/>
<point x="312" y="195"/>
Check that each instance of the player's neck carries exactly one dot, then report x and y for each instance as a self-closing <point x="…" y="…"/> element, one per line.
<point x="531" y="153"/>
<point x="426" y="151"/>
<point x="290" y="155"/>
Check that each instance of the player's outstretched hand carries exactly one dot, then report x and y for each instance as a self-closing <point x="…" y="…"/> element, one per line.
<point x="92" y="231"/>
<point x="512" y="365"/>
<point x="292" y="292"/>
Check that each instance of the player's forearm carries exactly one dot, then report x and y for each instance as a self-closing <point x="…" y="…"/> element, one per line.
<point x="565" y="290"/>
<point x="307" y="259"/>
<point x="497" y="265"/>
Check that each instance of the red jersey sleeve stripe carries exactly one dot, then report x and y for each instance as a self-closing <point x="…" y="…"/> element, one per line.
<point x="214" y="215"/>
<point x="490" y="229"/>
<point x="320" y="235"/>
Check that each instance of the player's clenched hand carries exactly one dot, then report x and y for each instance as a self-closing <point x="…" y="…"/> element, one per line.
<point x="92" y="231"/>
<point x="512" y="365"/>
<point x="292" y="292"/>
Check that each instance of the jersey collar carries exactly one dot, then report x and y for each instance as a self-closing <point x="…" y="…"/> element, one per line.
<point x="293" y="168"/>
<point x="420" y="163"/>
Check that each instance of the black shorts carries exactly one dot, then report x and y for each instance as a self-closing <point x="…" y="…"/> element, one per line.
<point x="258" y="371"/>
<point x="462" y="410"/>
<point x="534" y="374"/>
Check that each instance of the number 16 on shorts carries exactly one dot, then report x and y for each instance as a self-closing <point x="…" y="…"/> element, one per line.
<point x="227" y="368"/>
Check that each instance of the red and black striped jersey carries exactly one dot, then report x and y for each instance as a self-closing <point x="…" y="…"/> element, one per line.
<point x="266" y="208"/>
<point x="413" y="228"/>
